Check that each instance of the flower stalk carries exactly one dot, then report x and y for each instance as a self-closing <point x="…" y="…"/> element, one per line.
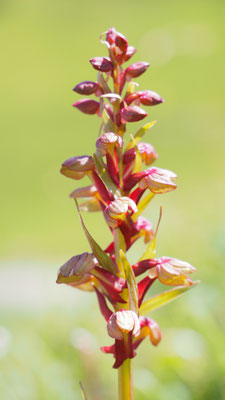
<point x="125" y="381"/>
<point x="121" y="188"/>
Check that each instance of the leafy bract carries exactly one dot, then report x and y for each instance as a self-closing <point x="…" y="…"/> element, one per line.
<point x="140" y="133"/>
<point x="150" y="251"/>
<point x="131" y="283"/>
<point x="142" y="205"/>
<point x="104" y="260"/>
<point x="166" y="297"/>
<point x="82" y="391"/>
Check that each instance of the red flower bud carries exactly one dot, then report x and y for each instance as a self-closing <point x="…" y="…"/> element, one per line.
<point x="129" y="53"/>
<point x="136" y="69"/>
<point x="110" y="36"/>
<point x="146" y="97"/>
<point x="148" y="153"/>
<point x="150" y="98"/>
<point x="87" y="106"/>
<point x="132" y="97"/>
<point x="121" y="42"/>
<point x="132" y="114"/>
<point x="102" y="64"/>
<point x="86" y="87"/>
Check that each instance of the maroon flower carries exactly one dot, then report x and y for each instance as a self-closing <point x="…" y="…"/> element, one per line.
<point x="86" y="87"/>
<point x="87" y="106"/>
<point x="102" y="64"/>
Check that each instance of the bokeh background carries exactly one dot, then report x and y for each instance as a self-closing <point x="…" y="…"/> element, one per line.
<point x="50" y="335"/>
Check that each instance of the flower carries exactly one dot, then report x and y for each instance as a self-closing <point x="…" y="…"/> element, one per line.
<point x="75" y="272"/>
<point x="123" y="322"/>
<point x="86" y="87"/>
<point x="132" y="114"/>
<point x="172" y="272"/>
<point x="158" y="180"/>
<point x="118" y="209"/>
<point x="77" y="167"/>
<point x="102" y="64"/>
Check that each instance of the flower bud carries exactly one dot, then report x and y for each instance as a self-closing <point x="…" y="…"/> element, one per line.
<point x="150" y="98"/>
<point x="77" y="167"/>
<point x="132" y="114"/>
<point x="136" y="69"/>
<point x="121" y="42"/>
<point x="145" y="228"/>
<point x="102" y="64"/>
<point x="123" y="322"/>
<point x="132" y="97"/>
<point x="79" y="265"/>
<point x="86" y="87"/>
<point x="172" y="272"/>
<point x="111" y="35"/>
<point x="148" y="153"/>
<point x="87" y="106"/>
<point x="158" y="180"/>
<point x="108" y="141"/>
<point x="75" y="272"/>
<point x="129" y="53"/>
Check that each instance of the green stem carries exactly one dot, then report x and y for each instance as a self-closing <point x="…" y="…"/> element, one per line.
<point x="125" y="381"/>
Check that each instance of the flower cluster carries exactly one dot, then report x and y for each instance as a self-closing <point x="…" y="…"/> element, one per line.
<point x="121" y="188"/>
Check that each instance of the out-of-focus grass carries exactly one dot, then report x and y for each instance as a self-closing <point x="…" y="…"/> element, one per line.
<point x="44" y="53"/>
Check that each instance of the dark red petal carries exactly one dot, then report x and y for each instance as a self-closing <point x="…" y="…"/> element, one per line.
<point x="106" y="312"/>
<point x="143" y="287"/>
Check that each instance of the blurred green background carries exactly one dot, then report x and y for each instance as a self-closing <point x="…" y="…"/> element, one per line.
<point x="50" y="335"/>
